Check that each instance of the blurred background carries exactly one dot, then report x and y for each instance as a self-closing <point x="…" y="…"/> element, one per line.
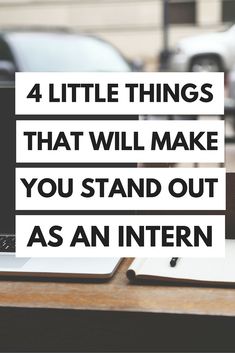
<point x="122" y="35"/>
<point x="134" y="26"/>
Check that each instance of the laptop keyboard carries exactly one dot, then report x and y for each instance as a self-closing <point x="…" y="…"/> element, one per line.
<point x="7" y="243"/>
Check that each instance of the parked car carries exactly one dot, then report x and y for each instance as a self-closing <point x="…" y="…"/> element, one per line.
<point x="209" y="52"/>
<point x="43" y="50"/>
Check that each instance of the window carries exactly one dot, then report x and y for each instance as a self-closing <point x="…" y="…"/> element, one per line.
<point x="182" y="12"/>
<point x="55" y="51"/>
<point x="228" y="11"/>
<point x="5" y="53"/>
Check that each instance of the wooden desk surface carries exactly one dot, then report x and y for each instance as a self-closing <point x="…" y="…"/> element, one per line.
<point x="118" y="295"/>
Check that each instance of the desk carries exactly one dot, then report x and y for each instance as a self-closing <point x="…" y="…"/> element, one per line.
<point x="117" y="315"/>
<point x="118" y="295"/>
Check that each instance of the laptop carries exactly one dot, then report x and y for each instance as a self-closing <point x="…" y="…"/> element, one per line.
<point x="10" y="265"/>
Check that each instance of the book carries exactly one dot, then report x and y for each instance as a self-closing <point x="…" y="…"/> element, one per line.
<point x="187" y="270"/>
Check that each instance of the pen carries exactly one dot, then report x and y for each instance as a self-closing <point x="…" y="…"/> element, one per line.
<point x="173" y="261"/>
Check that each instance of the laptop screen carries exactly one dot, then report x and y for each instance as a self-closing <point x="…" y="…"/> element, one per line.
<point x="7" y="158"/>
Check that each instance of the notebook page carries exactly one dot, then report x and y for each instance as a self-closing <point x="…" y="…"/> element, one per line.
<point x="214" y="270"/>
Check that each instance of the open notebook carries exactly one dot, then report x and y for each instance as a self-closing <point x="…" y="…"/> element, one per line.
<point x="217" y="270"/>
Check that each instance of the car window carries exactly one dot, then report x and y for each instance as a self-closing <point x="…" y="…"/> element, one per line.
<point x="64" y="52"/>
<point x="5" y="53"/>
